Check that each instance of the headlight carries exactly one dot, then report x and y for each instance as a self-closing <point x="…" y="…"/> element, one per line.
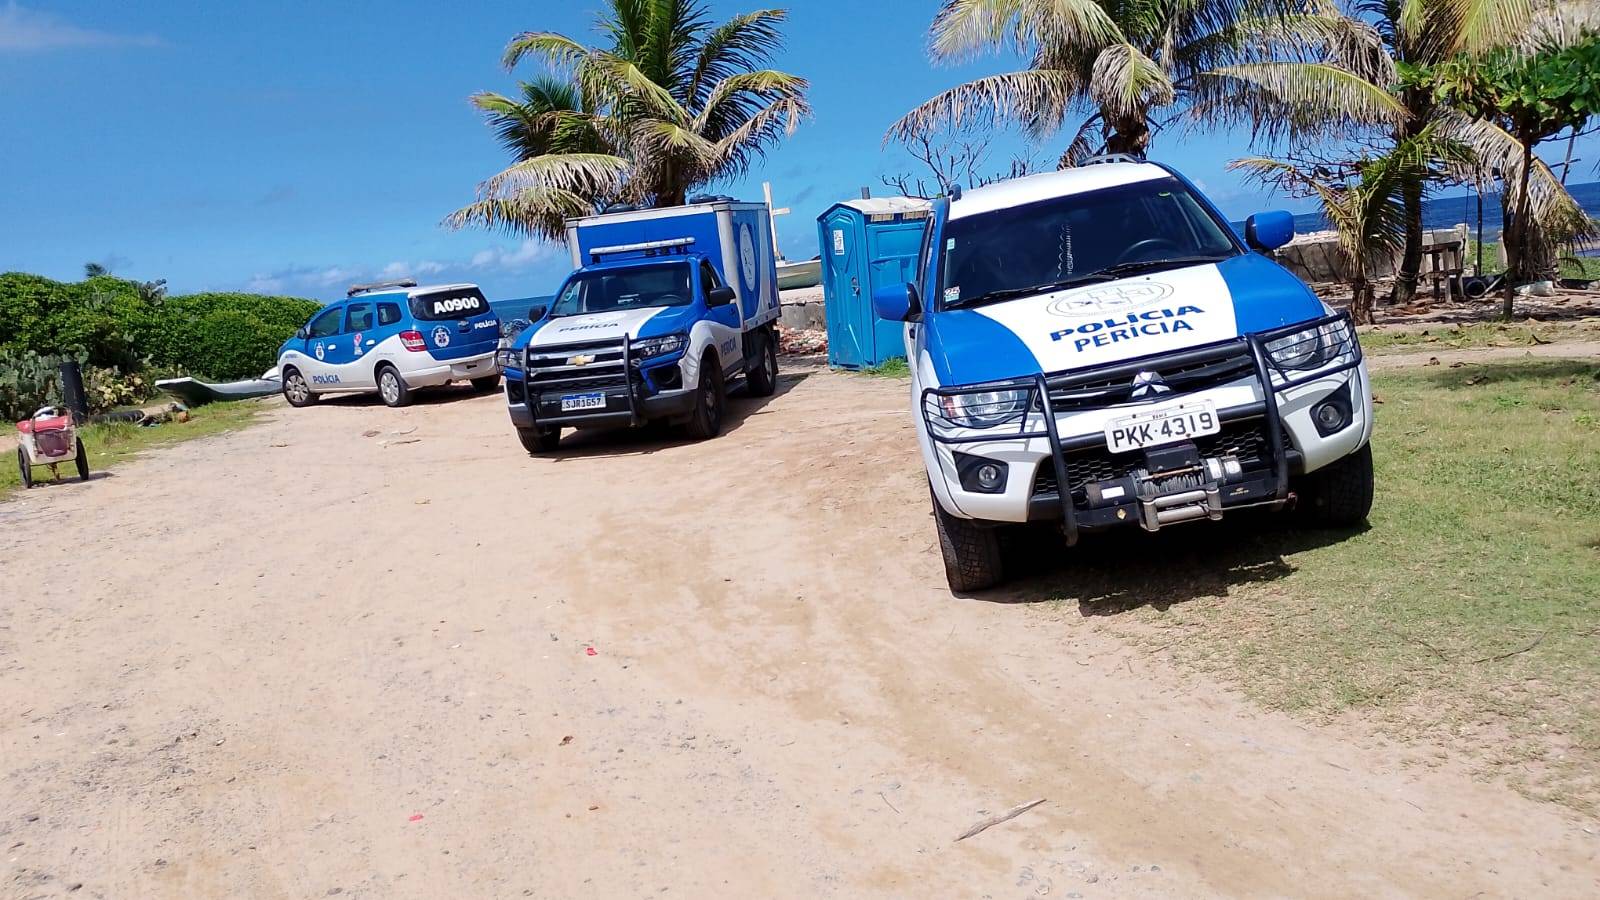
<point x="649" y="348"/>
<point x="1312" y="348"/>
<point x="983" y="410"/>
<point x="508" y="358"/>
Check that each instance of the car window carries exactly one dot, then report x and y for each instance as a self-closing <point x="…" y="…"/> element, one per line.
<point x="633" y="287"/>
<point x="708" y="277"/>
<point x="388" y="313"/>
<point x="326" y="324"/>
<point x="360" y="318"/>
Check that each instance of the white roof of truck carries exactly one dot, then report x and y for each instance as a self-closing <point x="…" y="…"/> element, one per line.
<point x="1045" y="185"/>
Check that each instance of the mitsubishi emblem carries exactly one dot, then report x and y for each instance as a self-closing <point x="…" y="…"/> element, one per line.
<point x="1148" y="384"/>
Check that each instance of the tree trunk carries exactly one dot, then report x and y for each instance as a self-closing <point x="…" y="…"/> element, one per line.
<point x="1517" y="255"/>
<point x="1405" y="278"/>
<point x="1131" y="136"/>
<point x="1361" y="296"/>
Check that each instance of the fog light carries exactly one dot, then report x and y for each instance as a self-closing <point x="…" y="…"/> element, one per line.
<point x="1330" y="418"/>
<point x="980" y="475"/>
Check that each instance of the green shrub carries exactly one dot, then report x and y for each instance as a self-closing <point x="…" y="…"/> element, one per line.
<point x="27" y="382"/>
<point x="111" y="324"/>
<point x="223" y="336"/>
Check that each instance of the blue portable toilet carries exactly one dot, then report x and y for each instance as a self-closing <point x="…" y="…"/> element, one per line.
<point x="865" y="244"/>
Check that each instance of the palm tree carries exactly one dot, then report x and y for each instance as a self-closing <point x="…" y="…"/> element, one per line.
<point x="1367" y="209"/>
<point x="672" y="104"/>
<point x="94" y="270"/>
<point x="1251" y="62"/>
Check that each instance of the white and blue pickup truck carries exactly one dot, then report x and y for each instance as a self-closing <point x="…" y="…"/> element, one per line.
<point x="1097" y="347"/>
<point x="665" y="311"/>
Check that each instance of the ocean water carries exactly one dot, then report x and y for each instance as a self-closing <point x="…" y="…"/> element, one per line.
<point x="517" y="309"/>
<point x="1448" y="212"/>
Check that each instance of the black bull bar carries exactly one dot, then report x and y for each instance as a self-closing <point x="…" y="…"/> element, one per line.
<point x="1347" y="350"/>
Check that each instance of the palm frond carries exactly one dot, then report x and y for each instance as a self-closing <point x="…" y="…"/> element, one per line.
<point x="964" y="28"/>
<point x="1550" y="206"/>
<point x="581" y="173"/>
<point x="557" y="51"/>
<point x="1082" y="146"/>
<point x="535" y="212"/>
<point x="1012" y="97"/>
<point x="742" y="43"/>
<point x="1125" y="83"/>
<point x="1290" y="99"/>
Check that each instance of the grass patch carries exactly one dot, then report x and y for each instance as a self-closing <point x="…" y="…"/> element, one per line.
<point x="894" y="367"/>
<point x="111" y="443"/>
<point x="1568" y="266"/>
<point x="1380" y="342"/>
<point x="1467" y="615"/>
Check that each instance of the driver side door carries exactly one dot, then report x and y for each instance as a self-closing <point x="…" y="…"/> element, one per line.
<point x="724" y="320"/>
<point x="320" y="332"/>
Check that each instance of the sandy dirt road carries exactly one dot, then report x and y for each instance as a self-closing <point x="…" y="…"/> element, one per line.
<point x="282" y="673"/>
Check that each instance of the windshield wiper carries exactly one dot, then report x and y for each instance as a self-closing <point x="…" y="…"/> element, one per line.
<point x="1011" y="293"/>
<point x="1109" y="273"/>
<point x="1156" y="265"/>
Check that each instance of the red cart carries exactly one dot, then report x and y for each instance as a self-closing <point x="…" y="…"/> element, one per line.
<point x="49" y="438"/>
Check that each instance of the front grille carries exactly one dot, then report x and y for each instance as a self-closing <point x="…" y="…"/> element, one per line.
<point x="551" y="370"/>
<point x="1182" y="373"/>
<point x="1246" y="439"/>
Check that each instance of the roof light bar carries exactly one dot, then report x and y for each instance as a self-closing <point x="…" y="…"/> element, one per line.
<point x="646" y="246"/>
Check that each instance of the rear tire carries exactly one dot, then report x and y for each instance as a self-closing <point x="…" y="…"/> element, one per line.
<point x="762" y="381"/>
<point x="972" y="560"/>
<point x="392" y="388"/>
<point x="539" y="439"/>
<point x="709" y="401"/>
<point x="83" y="462"/>
<point x="27" y="470"/>
<point x="486" y="384"/>
<point x="296" y="390"/>
<point x="1338" y="495"/>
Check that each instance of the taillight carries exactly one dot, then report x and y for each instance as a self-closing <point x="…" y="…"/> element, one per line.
<point x="413" y="341"/>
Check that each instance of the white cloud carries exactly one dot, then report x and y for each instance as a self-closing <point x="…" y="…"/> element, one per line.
<point x="321" y="281"/>
<point x="26" y="30"/>
<point x="515" y="258"/>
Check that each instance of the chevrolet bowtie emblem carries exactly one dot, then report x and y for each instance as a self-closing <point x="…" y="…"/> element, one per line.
<point x="582" y="359"/>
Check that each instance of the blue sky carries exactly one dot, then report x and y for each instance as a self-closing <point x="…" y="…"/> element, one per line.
<point x="295" y="146"/>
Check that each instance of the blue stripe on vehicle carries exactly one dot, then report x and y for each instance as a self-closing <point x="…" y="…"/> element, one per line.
<point x="1265" y="295"/>
<point x="667" y="321"/>
<point x="965" y="348"/>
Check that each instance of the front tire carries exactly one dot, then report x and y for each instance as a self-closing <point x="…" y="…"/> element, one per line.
<point x="27" y="470"/>
<point x="486" y="384"/>
<point x="1338" y="495"/>
<point x="539" y="439"/>
<point x="972" y="560"/>
<point x="297" y="390"/>
<point x="763" y="379"/>
<point x="83" y="462"/>
<point x="392" y="388"/>
<point x="709" y="400"/>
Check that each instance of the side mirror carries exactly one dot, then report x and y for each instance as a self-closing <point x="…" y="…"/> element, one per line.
<point x="535" y="313"/>
<point x="897" y="302"/>
<point x="300" y="333"/>
<point x="719" y="296"/>
<point x="1269" y="230"/>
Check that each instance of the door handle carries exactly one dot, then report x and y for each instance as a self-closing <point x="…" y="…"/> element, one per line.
<point x="371" y="342"/>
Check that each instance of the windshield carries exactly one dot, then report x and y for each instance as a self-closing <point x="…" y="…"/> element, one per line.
<point x="664" y="284"/>
<point x="1092" y="236"/>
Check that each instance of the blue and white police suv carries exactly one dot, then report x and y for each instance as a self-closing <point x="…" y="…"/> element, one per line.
<point x="393" y="337"/>
<point x="1097" y="347"/>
